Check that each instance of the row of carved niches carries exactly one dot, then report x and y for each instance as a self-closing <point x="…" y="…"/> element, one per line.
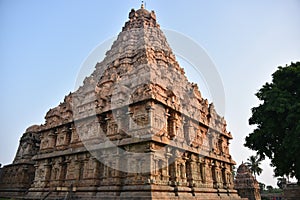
<point x="206" y="115"/>
<point x="173" y="166"/>
<point x="59" y="138"/>
<point x="138" y="121"/>
<point x="177" y="169"/>
<point x="65" y="170"/>
<point x="79" y="170"/>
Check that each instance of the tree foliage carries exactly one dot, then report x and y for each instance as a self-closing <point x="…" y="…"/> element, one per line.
<point x="281" y="182"/>
<point x="254" y="165"/>
<point x="277" y="118"/>
<point x="262" y="186"/>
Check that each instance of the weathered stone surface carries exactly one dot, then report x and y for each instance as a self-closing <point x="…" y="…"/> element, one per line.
<point x="246" y="184"/>
<point x="291" y="191"/>
<point x="135" y="129"/>
<point x="16" y="178"/>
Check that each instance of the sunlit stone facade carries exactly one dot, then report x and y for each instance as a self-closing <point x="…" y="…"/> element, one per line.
<point x="135" y="129"/>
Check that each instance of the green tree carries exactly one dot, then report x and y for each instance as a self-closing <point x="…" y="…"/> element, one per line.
<point x="269" y="188"/>
<point x="253" y="164"/>
<point x="233" y="171"/>
<point x="281" y="182"/>
<point x="262" y="186"/>
<point x="277" y="118"/>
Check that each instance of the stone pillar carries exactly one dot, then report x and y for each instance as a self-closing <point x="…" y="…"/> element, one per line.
<point x="167" y="157"/>
<point x="219" y="175"/>
<point x="55" y="174"/>
<point x="62" y="171"/>
<point x="229" y="179"/>
<point x="79" y="168"/>
<point x="36" y="181"/>
<point x="48" y="170"/>
<point x="86" y="168"/>
<point x="202" y="170"/>
<point x="216" y="174"/>
<point x="208" y="174"/>
<point x="116" y="174"/>
<point x="183" y="172"/>
<point x="150" y="110"/>
<point x="192" y="171"/>
<point x="93" y="171"/>
<point x="172" y="171"/>
<point x="163" y="171"/>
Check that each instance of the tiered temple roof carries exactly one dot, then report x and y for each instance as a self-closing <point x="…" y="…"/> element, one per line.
<point x="136" y="128"/>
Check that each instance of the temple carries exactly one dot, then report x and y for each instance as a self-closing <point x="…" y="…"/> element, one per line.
<point x="246" y="184"/>
<point x="136" y="128"/>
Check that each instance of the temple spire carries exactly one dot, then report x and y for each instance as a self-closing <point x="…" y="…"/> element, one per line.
<point x="142" y="5"/>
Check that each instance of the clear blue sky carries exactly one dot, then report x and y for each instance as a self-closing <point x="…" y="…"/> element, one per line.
<point x="43" y="44"/>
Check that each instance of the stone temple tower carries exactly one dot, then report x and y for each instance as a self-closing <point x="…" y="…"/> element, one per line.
<point x="245" y="183"/>
<point x="135" y="129"/>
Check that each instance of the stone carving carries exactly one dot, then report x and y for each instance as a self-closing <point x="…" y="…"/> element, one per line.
<point x="246" y="184"/>
<point x="169" y="141"/>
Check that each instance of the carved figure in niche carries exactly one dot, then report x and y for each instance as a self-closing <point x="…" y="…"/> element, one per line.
<point x="26" y="146"/>
<point x="219" y="141"/>
<point x="179" y="128"/>
<point x="140" y="121"/>
<point x="171" y="125"/>
<point x="198" y="140"/>
<point x="223" y="145"/>
<point x="60" y="139"/>
<point x="159" y="124"/>
<point x="211" y="138"/>
<point x="228" y="178"/>
<point x="40" y="173"/>
<point x="215" y="144"/>
<point x="112" y="128"/>
<point x="218" y="176"/>
<point x="208" y="171"/>
<point x="205" y="143"/>
<point x="55" y="173"/>
<point x="45" y="143"/>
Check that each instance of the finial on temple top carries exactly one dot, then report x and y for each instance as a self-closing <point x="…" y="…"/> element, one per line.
<point x="142" y="6"/>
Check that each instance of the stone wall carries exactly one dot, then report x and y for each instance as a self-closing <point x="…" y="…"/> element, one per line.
<point x="291" y="192"/>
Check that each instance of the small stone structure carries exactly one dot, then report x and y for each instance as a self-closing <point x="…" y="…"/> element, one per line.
<point x="245" y="183"/>
<point x="291" y="191"/>
<point x="16" y="178"/>
<point x="135" y="129"/>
